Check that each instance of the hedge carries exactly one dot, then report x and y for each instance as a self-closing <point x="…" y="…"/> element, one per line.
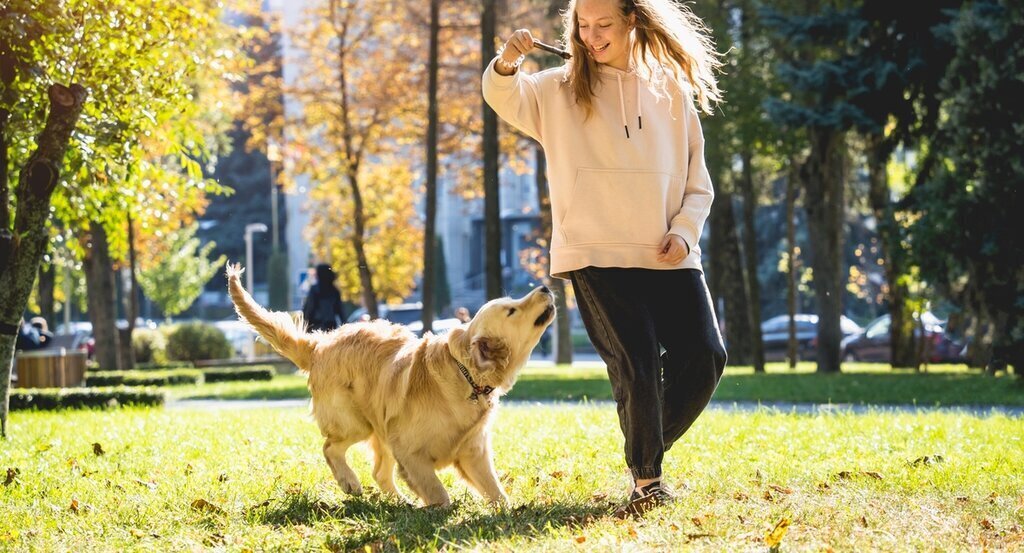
<point x="144" y="377"/>
<point x="225" y="374"/>
<point x="77" y="398"/>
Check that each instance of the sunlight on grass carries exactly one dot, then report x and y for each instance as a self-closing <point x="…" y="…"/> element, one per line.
<point x="173" y="480"/>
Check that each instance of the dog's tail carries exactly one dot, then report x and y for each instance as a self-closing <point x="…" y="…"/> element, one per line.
<point x="282" y="332"/>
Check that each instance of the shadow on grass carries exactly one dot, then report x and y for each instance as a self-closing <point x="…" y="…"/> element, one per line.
<point x="384" y="524"/>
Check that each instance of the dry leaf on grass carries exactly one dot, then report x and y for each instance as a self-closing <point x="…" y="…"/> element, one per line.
<point x="987" y="524"/>
<point x="12" y="475"/>
<point x="774" y="538"/>
<point x="97" y="449"/>
<point x="581" y="539"/>
<point x="204" y="505"/>
<point x="927" y="460"/>
<point x="780" y="489"/>
<point x="740" y="496"/>
<point x="557" y="475"/>
<point x="74" y="506"/>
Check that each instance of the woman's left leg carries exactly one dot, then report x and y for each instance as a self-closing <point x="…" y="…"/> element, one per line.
<point x="694" y="356"/>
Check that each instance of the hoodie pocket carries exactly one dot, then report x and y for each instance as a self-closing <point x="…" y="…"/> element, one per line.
<point x="621" y="207"/>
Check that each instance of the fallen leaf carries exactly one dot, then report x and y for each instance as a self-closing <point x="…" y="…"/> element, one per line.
<point x="12" y="475"/>
<point x="632" y="532"/>
<point x="962" y="499"/>
<point x="696" y="521"/>
<point x="740" y="496"/>
<point x="293" y="489"/>
<point x="780" y="489"/>
<point x="97" y="449"/>
<point x="139" y="534"/>
<point x="864" y="521"/>
<point x="204" y="505"/>
<point x="673" y="527"/>
<point x="872" y="474"/>
<point x="188" y="469"/>
<point x="774" y="538"/>
<point x="581" y="539"/>
<point x="698" y="536"/>
<point x="223" y="477"/>
<point x="599" y="497"/>
<point x="986" y="524"/>
<point x="768" y="496"/>
<point x="151" y="484"/>
<point x="927" y="460"/>
<point x="557" y="474"/>
<point x="74" y="506"/>
<point x="824" y="486"/>
<point x="214" y="539"/>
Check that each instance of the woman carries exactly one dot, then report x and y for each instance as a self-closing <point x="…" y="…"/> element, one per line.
<point x="629" y="196"/>
<point x="323" y="309"/>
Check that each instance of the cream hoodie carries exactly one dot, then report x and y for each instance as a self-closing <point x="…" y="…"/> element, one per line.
<point x="620" y="180"/>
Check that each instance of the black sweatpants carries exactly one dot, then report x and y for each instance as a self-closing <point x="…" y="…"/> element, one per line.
<point x="631" y="315"/>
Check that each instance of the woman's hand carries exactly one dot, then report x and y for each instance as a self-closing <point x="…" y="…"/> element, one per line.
<point x="673" y="249"/>
<point x="519" y="44"/>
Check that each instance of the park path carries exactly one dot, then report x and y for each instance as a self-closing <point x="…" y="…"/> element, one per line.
<point x="726" y="406"/>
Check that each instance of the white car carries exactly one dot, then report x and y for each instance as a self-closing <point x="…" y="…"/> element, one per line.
<point x="408" y="314"/>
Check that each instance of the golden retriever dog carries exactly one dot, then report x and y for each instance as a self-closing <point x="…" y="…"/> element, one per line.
<point x="422" y="403"/>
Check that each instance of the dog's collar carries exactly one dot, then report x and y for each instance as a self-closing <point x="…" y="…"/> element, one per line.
<point x="477" y="390"/>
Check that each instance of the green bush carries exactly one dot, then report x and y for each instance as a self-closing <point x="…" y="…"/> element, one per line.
<point x="77" y="398"/>
<point x="150" y="346"/>
<point x="167" y="365"/>
<point x="144" y="378"/>
<point x="194" y="341"/>
<point x="225" y="374"/>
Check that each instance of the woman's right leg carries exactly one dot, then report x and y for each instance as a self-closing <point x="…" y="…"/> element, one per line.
<point x="622" y="330"/>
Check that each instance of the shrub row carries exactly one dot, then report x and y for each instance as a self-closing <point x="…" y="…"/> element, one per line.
<point x="225" y="374"/>
<point x="179" y="376"/>
<point x="144" y="378"/>
<point x="77" y="398"/>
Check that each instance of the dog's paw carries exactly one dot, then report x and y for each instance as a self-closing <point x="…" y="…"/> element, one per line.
<point x="351" y="486"/>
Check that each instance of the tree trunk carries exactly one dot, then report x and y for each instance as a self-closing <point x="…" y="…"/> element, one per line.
<point x="792" y="350"/>
<point x="22" y="250"/>
<point x="429" y="240"/>
<point x="823" y="175"/>
<point x="102" y="297"/>
<point x="901" y="331"/>
<point x="725" y="265"/>
<point x="563" y="328"/>
<point x="753" y="286"/>
<point x="47" y="281"/>
<point x="492" y="208"/>
<point x="131" y="298"/>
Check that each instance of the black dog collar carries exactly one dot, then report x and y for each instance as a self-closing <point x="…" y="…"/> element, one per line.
<point x="477" y="390"/>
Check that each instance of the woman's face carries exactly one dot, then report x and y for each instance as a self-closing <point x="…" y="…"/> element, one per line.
<point x="604" y="31"/>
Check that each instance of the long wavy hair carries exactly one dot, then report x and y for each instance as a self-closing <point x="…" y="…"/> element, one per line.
<point x="667" y="37"/>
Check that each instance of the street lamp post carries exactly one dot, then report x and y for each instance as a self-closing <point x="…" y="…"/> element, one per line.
<point x="249" y="230"/>
<point x="273" y="156"/>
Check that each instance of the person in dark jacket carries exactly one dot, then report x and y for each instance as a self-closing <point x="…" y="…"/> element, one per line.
<point x="323" y="309"/>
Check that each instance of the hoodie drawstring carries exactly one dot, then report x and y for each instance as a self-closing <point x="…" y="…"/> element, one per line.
<point x="622" y="105"/>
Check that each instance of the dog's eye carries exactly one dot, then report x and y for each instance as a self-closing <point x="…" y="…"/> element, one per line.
<point x="511" y="310"/>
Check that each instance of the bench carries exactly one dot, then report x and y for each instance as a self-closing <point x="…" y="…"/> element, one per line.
<point x="49" y="368"/>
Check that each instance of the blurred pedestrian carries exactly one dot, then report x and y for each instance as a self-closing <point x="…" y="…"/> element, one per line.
<point x="323" y="309"/>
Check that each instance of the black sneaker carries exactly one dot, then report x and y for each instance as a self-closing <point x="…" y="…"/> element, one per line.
<point x="643" y="500"/>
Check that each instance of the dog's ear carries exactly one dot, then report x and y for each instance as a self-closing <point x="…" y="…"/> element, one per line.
<point x="457" y="342"/>
<point x="489" y="353"/>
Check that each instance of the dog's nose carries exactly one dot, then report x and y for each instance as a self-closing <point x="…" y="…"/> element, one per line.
<point x="545" y="290"/>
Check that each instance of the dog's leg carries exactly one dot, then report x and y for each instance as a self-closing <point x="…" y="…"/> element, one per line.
<point x="334" y="452"/>
<point x="418" y="472"/>
<point x="475" y="466"/>
<point x="384" y="468"/>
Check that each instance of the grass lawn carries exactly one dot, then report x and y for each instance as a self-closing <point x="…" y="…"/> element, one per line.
<point x="256" y="480"/>
<point x="867" y="384"/>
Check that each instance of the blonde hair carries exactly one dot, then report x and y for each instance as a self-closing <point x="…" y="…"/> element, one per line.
<point x="667" y="36"/>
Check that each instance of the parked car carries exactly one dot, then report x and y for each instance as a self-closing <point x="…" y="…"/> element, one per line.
<point x="408" y="314"/>
<point x="874" y="343"/>
<point x="775" y="335"/>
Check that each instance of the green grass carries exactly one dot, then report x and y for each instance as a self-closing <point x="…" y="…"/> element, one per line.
<point x="859" y="384"/>
<point x="256" y="480"/>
